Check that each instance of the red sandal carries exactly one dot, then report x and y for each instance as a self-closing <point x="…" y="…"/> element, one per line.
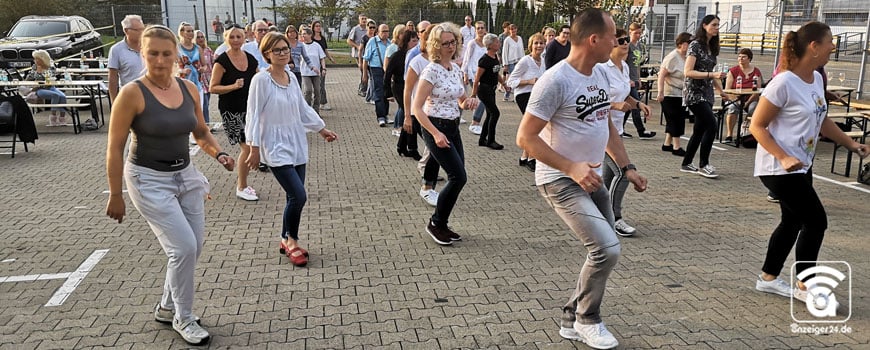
<point x="283" y="249"/>
<point x="297" y="259"/>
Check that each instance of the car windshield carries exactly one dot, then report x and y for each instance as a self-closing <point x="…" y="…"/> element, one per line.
<point x="33" y="29"/>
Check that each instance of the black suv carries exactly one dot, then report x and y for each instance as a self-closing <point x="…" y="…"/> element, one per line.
<point x="61" y="36"/>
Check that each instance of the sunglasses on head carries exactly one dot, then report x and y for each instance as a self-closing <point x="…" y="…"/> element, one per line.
<point x="623" y="40"/>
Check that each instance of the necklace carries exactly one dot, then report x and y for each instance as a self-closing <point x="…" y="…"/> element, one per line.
<point x="158" y="86"/>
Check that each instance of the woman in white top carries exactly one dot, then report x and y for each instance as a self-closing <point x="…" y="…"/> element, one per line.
<point x="436" y="108"/>
<point x="620" y="102"/>
<point x="790" y="115"/>
<point x="311" y="72"/>
<point x="670" y="86"/>
<point x="523" y="78"/>
<point x="277" y="120"/>
<point x="474" y="50"/>
<point x="511" y="52"/>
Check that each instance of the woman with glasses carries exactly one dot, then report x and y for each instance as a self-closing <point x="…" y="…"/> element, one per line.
<point x="701" y="78"/>
<point x="523" y="78"/>
<point x="370" y="88"/>
<point x="613" y="177"/>
<point x="297" y="53"/>
<point x="313" y="70"/>
<point x="160" y="110"/>
<point x="318" y="37"/>
<point x="746" y="74"/>
<point x="207" y="58"/>
<point x="278" y="119"/>
<point x="440" y="95"/>
<point x="230" y="79"/>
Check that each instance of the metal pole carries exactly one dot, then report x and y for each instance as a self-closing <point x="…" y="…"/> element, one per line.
<point x="114" y="23"/>
<point x="234" y="12"/>
<point x="275" y="14"/>
<point x="252" y="17"/>
<point x="779" y="39"/>
<point x="664" y="33"/>
<point x="165" y="12"/>
<point x="717" y="9"/>
<point x="863" y="63"/>
<point x="205" y="23"/>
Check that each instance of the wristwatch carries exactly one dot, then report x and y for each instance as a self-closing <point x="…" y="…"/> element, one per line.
<point x="628" y="167"/>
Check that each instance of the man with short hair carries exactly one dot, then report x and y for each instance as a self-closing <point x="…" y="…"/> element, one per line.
<point x="217" y="27"/>
<point x="125" y="61"/>
<point x="355" y="39"/>
<point x="558" y="49"/>
<point x="260" y="29"/>
<point x="567" y="128"/>
<point x="373" y="62"/>
<point x="634" y="60"/>
<point x="467" y="30"/>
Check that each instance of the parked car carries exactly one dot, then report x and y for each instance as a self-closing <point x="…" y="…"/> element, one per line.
<point x="61" y="36"/>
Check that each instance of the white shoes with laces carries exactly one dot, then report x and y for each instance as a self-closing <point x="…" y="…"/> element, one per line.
<point x="247" y="194"/>
<point x="596" y="336"/>
<point x="430" y="196"/>
<point x="776" y="286"/>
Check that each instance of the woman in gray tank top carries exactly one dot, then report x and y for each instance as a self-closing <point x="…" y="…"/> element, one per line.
<point x="161" y="111"/>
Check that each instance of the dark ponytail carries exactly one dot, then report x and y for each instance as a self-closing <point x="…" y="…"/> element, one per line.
<point x="795" y="44"/>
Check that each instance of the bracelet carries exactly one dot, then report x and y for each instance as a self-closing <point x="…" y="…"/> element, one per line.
<point x="219" y="154"/>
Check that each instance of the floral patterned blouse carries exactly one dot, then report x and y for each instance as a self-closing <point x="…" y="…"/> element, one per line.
<point x="446" y="90"/>
<point x="207" y="63"/>
<point x="700" y="90"/>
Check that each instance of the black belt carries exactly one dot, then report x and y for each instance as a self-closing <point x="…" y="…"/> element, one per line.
<point x="443" y="121"/>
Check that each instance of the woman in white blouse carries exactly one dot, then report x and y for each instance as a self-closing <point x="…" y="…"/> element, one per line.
<point x="523" y="78"/>
<point x="277" y="120"/>
<point x="435" y="106"/>
<point x="511" y="52"/>
<point x="620" y="103"/>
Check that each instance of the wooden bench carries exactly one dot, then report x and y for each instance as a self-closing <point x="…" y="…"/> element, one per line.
<point x="71" y="108"/>
<point x="854" y="135"/>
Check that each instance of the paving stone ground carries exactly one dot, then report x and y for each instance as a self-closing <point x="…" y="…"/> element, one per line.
<point x="377" y="281"/>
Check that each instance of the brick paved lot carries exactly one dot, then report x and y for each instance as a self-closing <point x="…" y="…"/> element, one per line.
<point x="375" y="279"/>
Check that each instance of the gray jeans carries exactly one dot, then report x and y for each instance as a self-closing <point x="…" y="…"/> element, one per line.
<point x="311" y="91"/>
<point x="616" y="183"/>
<point x="590" y="217"/>
<point x="173" y="204"/>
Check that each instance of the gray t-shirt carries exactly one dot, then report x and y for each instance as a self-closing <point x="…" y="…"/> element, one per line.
<point x="357" y="34"/>
<point x="577" y="109"/>
<point x="634" y="59"/>
<point x="160" y="134"/>
<point x="127" y="61"/>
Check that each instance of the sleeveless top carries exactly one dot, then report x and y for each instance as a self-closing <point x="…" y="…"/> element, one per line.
<point x="746" y="79"/>
<point x="160" y="134"/>
<point x="235" y="101"/>
<point x="188" y="58"/>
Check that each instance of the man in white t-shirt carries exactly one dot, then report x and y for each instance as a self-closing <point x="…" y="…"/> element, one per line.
<point x="125" y="62"/>
<point x="468" y="31"/>
<point x="260" y="29"/>
<point x="567" y="128"/>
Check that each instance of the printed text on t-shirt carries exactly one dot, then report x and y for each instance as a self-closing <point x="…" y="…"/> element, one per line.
<point x="599" y="104"/>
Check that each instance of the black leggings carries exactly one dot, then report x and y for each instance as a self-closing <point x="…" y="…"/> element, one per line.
<point x="803" y="222"/>
<point x="407" y="141"/>
<point x="523" y="101"/>
<point x="702" y="134"/>
<point x="675" y="115"/>
<point x="487" y="97"/>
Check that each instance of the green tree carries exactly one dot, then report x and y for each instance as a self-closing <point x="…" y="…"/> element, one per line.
<point x="295" y="11"/>
<point x="331" y="13"/>
<point x="568" y="8"/>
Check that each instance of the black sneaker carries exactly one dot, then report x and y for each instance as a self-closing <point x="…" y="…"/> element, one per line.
<point x="263" y="167"/>
<point x="439" y="235"/>
<point x="495" y="145"/>
<point x="453" y="235"/>
<point x="668" y="148"/>
<point x="679" y="152"/>
<point x="647" y="135"/>
<point x="530" y="164"/>
<point x="626" y="135"/>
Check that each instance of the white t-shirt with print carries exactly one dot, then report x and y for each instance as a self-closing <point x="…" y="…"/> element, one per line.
<point x="446" y="90"/>
<point x="577" y="109"/>
<point x="796" y="127"/>
<point x="620" y="87"/>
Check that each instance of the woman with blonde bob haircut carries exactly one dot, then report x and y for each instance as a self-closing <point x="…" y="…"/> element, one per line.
<point x="435" y="106"/>
<point x="160" y="110"/>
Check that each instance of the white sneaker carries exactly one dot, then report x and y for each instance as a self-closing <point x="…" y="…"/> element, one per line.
<point x="192" y="140"/>
<point x="624" y="229"/>
<point x="191" y="331"/>
<point x="462" y="121"/>
<point x="325" y="107"/>
<point x="596" y="336"/>
<point x="475" y="129"/>
<point x="776" y="286"/>
<point x="166" y="315"/>
<point x="396" y="132"/>
<point x="430" y="196"/>
<point x="247" y="194"/>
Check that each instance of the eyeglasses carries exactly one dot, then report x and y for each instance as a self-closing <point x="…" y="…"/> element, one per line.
<point x="281" y="50"/>
<point x="262" y="30"/>
<point x="623" y="40"/>
<point x="449" y="43"/>
<point x="385" y="31"/>
<point x="480" y="28"/>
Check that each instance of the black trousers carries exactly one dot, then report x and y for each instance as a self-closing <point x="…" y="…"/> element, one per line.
<point x="703" y="134"/>
<point x="802" y="225"/>
<point x="675" y="116"/>
<point x="452" y="159"/>
<point x="486" y="93"/>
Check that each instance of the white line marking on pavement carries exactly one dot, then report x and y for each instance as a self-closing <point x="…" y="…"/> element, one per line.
<point x="107" y="191"/>
<point x="714" y="147"/>
<point x="76" y="277"/>
<point x="39" y="277"/>
<point x="194" y="150"/>
<point x="844" y="184"/>
<point x="80" y="207"/>
<point x="8" y="260"/>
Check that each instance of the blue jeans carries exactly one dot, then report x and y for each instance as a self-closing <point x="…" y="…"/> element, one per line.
<point x="54" y="95"/>
<point x="381" y="106"/>
<point x="452" y="159"/>
<point x="292" y="180"/>
<point x="510" y="69"/>
<point x="205" y="99"/>
<point x="478" y="113"/>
